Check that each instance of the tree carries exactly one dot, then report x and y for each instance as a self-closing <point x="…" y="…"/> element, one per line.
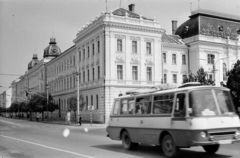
<point x="201" y="77"/>
<point x="72" y="102"/>
<point x="233" y="83"/>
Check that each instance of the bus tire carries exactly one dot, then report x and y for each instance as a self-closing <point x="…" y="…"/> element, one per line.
<point x="127" y="143"/>
<point x="169" y="147"/>
<point x="211" y="149"/>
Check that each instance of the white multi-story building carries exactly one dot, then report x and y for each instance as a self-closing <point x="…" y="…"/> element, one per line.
<point x="213" y="40"/>
<point x="122" y="51"/>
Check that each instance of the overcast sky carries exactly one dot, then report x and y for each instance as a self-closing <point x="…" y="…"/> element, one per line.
<point x="26" y="26"/>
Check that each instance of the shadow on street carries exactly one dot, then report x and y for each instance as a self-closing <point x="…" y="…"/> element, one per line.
<point x="147" y="151"/>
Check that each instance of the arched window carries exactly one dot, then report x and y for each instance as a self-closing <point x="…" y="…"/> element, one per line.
<point x="224" y="72"/>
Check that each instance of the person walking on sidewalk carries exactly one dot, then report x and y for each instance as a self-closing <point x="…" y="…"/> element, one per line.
<point x="80" y="120"/>
<point x="68" y="117"/>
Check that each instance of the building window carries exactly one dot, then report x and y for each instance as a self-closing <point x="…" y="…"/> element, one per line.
<point x="74" y="60"/>
<point x="149" y="74"/>
<point x="93" y="49"/>
<point x="86" y="102"/>
<point x="83" y="76"/>
<point x="119" y="72"/>
<point x="184" y="77"/>
<point x="148" y="48"/>
<point x="80" y="78"/>
<point x="210" y="77"/>
<point x="67" y="83"/>
<point x="224" y="72"/>
<point x="135" y="73"/>
<point x="88" y="52"/>
<point x="96" y="101"/>
<point x="91" y="100"/>
<point x="83" y="54"/>
<point x="93" y="74"/>
<point x="210" y="58"/>
<point x="88" y="75"/>
<point x="74" y="78"/>
<point x="134" y="46"/>
<point x="174" y="78"/>
<point x="98" y="46"/>
<point x="62" y="66"/>
<point x="80" y="56"/>
<point x="65" y="64"/>
<point x="70" y="82"/>
<point x="98" y="72"/>
<point x="184" y="59"/>
<point x="165" y="78"/>
<point x="71" y="63"/>
<point x="119" y="45"/>
<point x="164" y="58"/>
<point x="174" y="59"/>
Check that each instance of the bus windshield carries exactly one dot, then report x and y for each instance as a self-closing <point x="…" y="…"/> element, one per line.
<point x="203" y="103"/>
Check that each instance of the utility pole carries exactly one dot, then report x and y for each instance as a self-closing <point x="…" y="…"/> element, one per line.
<point x="78" y="80"/>
<point x="47" y="102"/>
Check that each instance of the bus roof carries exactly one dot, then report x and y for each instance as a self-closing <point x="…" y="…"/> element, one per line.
<point x="173" y="90"/>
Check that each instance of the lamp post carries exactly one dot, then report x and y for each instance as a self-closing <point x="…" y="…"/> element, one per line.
<point x="47" y="102"/>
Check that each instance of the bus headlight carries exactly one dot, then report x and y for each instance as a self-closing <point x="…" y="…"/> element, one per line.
<point x="203" y="134"/>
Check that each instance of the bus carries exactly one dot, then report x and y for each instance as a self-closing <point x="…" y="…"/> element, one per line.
<point x="175" y="118"/>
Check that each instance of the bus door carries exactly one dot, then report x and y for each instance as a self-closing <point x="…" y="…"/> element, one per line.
<point x="113" y="122"/>
<point x="179" y="122"/>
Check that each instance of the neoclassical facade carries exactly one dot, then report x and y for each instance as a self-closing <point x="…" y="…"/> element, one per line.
<point x="120" y="51"/>
<point x="214" y="42"/>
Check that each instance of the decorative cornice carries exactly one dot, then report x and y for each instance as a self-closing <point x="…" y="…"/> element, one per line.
<point x="148" y="40"/>
<point x="120" y="36"/>
<point x="92" y="64"/>
<point x="134" y="38"/>
<point x="98" y="62"/>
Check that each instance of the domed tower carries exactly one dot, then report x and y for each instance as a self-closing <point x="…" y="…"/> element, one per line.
<point x="52" y="50"/>
<point x="33" y="62"/>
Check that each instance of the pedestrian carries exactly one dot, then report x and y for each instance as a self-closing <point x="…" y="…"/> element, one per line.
<point x="80" y="120"/>
<point x="68" y="117"/>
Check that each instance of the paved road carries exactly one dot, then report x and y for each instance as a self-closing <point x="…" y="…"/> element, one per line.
<point x="25" y="139"/>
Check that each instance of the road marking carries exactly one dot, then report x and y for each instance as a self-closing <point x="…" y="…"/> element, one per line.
<point x="10" y="123"/>
<point x="45" y="146"/>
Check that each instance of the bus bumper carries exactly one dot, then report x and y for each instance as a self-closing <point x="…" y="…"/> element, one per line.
<point x="228" y="141"/>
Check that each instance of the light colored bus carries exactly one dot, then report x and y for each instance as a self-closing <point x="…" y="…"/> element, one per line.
<point x="175" y="118"/>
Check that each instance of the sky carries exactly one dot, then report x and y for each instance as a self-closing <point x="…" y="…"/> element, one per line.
<point x="26" y="26"/>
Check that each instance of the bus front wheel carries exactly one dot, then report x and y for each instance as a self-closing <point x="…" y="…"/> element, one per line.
<point x="127" y="143"/>
<point x="168" y="146"/>
<point x="211" y="149"/>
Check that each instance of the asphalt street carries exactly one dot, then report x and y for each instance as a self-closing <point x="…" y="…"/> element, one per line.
<point x="27" y="139"/>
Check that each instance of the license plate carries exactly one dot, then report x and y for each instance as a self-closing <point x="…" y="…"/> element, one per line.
<point x="225" y="141"/>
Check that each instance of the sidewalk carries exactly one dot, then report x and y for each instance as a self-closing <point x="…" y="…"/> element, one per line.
<point x="84" y="124"/>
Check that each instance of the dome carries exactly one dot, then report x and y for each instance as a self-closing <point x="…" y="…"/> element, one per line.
<point x="33" y="62"/>
<point x="52" y="50"/>
<point x="208" y="23"/>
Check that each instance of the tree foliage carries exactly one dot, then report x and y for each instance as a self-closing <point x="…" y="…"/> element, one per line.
<point x="233" y="83"/>
<point x="201" y="77"/>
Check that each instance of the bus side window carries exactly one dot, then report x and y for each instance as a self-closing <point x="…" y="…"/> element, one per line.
<point x="143" y="105"/>
<point x="163" y="104"/>
<point x="124" y="106"/>
<point x="116" y="108"/>
<point x="180" y="106"/>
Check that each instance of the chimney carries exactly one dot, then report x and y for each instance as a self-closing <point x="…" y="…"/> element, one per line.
<point x="131" y="7"/>
<point x="174" y="26"/>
